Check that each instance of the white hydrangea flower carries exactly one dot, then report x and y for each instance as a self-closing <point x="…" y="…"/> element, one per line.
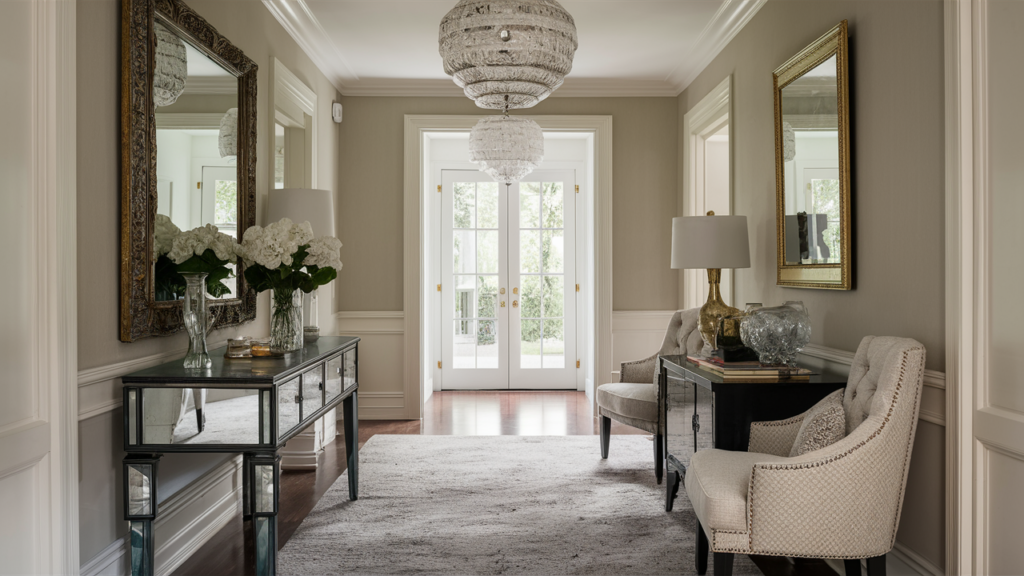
<point x="199" y="240"/>
<point x="275" y="245"/>
<point x="324" y="252"/>
<point x="164" y="233"/>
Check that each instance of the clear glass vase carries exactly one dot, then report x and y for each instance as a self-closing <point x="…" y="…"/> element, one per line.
<point x="197" y="321"/>
<point x="777" y="334"/>
<point x="286" y="323"/>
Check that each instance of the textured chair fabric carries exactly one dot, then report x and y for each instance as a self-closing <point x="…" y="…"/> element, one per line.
<point x="635" y="396"/>
<point x="636" y="402"/>
<point x="842" y="501"/>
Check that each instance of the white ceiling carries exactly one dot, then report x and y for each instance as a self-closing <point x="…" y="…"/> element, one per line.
<point x="626" y="47"/>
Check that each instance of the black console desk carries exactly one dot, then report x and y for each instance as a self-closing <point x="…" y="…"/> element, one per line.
<point x="246" y="406"/>
<point x="703" y="411"/>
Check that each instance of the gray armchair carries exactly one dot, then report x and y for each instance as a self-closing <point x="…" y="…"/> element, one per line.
<point x="842" y="501"/>
<point x="634" y="401"/>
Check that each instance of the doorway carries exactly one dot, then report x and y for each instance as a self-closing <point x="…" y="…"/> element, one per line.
<point x="508" y="290"/>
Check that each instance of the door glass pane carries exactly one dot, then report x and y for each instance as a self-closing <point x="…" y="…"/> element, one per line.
<point x="464" y="344"/>
<point x="487" y="252"/>
<point x="465" y="205"/>
<point x="487" y="344"/>
<point x="554" y="250"/>
<point x="487" y="204"/>
<point x="529" y="205"/>
<point x="529" y="251"/>
<point x="465" y="287"/>
<point x="487" y="296"/>
<point x="530" y="351"/>
<point x="554" y="344"/>
<point x="530" y="297"/>
<point x="464" y="251"/>
<point x="554" y="296"/>
<point x="553" y="208"/>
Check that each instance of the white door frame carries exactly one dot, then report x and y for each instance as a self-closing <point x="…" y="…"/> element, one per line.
<point x="417" y="180"/>
<point x="47" y="441"/>
<point x="706" y="118"/>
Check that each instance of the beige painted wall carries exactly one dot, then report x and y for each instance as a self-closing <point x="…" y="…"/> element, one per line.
<point x="371" y="195"/>
<point x="251" y="27"/>
<point x="897" y="106"/>
<point x="896" y="63"/>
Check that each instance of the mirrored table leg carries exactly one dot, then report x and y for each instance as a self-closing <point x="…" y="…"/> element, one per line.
<point x="139" y="478"/>
<point x="263" y="478"/>
<point x="350" y="409"/>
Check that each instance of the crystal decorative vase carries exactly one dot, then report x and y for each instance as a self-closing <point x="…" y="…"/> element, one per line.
<point x="778" y="333"/>
<point x="197" y="321"/>
<point x="286" y="323"/>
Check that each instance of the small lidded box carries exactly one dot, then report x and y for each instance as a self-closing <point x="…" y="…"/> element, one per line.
<point x="260" y="347"/>
<point x="239" y="348"/>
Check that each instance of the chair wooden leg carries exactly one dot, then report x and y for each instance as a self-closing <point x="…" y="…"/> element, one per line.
<point x="852" y="567"/>
<point x="876" y="566"/>
<point x="659" y="457"/>
<point x="606" y="435"/>
<point x="702" y="550"/>
<point x="723" y="563"/>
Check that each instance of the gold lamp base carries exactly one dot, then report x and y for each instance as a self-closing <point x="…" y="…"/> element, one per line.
<point x="714" y="309"/>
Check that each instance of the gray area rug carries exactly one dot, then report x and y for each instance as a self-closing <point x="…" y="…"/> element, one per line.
<point x="498" y="505"/>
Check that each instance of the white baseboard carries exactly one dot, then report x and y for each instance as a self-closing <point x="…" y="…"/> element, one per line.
<point x="185" y="522"/>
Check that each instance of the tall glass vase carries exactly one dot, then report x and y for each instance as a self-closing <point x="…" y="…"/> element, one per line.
<point x="286" y="323"/>
<point x="197" y="321"/>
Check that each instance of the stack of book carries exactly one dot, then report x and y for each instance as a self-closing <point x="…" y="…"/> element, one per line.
<point x="750" y="371"/>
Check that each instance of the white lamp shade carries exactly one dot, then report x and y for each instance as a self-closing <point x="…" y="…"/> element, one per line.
<point x="303" y="205"/>
<point x="710" y="242"/>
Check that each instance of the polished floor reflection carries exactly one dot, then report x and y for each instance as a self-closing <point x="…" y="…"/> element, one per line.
<point x="514" y="413"/>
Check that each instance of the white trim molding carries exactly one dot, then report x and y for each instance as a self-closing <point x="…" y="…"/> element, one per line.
<point x="700" y="122"/>
<point x="959" y="284"/>
<point x="416" y="184"/>
<point x="382" y="364"/>
<point x="302" y="25"/>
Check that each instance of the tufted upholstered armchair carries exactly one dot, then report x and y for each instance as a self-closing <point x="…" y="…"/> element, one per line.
<point x="634" y="399"/>
<point x="842" y="501"/>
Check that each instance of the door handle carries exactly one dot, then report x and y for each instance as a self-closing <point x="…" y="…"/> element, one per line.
<point x="502" y="290"/>
<point x="515" y="303"/>
<point x="515" y="290"/>
<point x="502" y="303"/>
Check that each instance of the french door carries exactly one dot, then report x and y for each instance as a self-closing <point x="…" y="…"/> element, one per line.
<point x="508" y="281"/>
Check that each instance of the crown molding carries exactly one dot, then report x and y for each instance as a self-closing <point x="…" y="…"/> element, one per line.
<point x="300" y="23"/>
<point x="723" y="27"/>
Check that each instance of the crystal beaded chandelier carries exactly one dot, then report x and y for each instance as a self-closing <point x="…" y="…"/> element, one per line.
<point x="507" y="54"/>
<point x="506" y="147"/>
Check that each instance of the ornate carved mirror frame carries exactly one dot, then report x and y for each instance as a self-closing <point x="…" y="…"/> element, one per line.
<point x="141" y="314"/>
<point x="830" y="276"/>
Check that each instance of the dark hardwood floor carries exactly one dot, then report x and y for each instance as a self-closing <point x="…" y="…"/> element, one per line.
<point x="514" y="413"/>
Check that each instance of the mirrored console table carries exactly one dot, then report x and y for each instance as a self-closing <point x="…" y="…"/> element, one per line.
<point x="250" y="406"/>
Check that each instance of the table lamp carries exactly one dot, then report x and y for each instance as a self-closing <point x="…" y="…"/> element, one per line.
<point x="305" y="205"/>
<point x="711" y="242"/>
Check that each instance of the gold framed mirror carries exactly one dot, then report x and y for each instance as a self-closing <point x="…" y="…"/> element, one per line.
<point x="188" y="156"/>
<point x="812" y="166"/>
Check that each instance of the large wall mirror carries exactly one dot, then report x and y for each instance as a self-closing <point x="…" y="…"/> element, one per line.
<point x="812" y="166"/>
<point x="188" y="156"/>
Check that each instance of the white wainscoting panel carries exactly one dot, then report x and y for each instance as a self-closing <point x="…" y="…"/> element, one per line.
<point x="382" y="386"/>
<point x="185" y="522"/>
<point x="636" y="334"/>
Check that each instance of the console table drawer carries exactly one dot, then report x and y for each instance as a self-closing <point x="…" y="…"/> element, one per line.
<point x="312" y="391"/>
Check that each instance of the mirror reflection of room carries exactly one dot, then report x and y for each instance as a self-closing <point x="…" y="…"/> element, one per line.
<point x="811" y="167"/>
<point x="197" y="124"/>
